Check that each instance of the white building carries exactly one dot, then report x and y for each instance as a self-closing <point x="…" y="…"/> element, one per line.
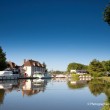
<point x="80" y="72"/>
<point x="72" y="71"/>
<point x="31" y="67"/>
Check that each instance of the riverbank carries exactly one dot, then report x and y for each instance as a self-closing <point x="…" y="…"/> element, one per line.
<point x="105" y="78"/>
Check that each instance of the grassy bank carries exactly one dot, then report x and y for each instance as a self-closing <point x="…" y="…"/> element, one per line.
<point x="105" y="78"/>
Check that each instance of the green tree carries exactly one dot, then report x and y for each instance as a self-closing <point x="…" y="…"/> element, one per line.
<point x="107" y="14"/>
<point x="96" y="68"/>
<point x="76" y="66"/>
<point x="3" y="64"/>
<point x="106" y="65"/>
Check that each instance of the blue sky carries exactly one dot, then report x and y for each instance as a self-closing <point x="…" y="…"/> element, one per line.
<point x="56" y="32"/>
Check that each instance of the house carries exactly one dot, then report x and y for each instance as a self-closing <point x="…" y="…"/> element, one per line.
<point x="11" y="65"/>
<point x="31" y="67"/>
<point x="80" y="72"/>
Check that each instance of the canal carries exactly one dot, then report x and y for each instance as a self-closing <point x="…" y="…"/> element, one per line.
<point x="54" y="94"/>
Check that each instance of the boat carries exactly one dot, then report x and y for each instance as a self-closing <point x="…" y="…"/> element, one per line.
<point x="42" y="75"/>
<point x="8" y="74"/>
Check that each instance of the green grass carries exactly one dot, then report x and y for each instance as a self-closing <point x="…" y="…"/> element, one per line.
<point x="105" y="78"/>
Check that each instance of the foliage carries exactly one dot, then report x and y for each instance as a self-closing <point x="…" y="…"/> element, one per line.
<point x="2" y="59"/>
<point x="96" y="86"/>
<point x="76" y="66"/>
<point x="106" y="65"/>
<point x="75" y="86"/>
<point x="107" y="14"/>
<point x="96" y="68"/>
<point x="2" y="94"/>
<point x="106" y="105"/>
<point x="75" y="76"/>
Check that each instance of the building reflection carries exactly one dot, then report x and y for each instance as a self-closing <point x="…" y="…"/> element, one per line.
<point x="26" y="87"/>
<point x="32" y="87"/>
<point x="6" y="86"/>
<point x="77" y="84"/>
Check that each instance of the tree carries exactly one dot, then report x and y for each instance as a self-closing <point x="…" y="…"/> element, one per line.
<point x="106" y="65"/>
<point x="96" y="68"/>
<point x="76" y="66"/>
<point x="107" y="14"/>
<point x="3" y="64"/>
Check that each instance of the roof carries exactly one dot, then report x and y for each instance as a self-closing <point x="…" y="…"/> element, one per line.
<point x="33" y="63"/>
<point x="81" y="71"/>
<point x="11" y="64"/>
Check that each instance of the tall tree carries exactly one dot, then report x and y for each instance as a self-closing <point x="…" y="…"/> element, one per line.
<point x="107" y="14"/>
<point x="106" y="65"/>
<point x="96" y="68"/>
<point x="2" y="59"/>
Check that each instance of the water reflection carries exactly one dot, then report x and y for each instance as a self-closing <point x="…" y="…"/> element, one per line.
<point x="27" y="87"/>
<point x="2" y="93"/>
<point x="44" y="91"/>
<point x="32" y="87"/>
<point x="6" y="87"/>
<point x="78" y="84"/>
<point x="98" y="86"/>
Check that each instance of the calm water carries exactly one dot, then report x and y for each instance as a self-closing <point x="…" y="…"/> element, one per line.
<point x="55" y="94"/>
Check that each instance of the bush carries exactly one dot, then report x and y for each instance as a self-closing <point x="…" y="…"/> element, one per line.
<point x="75" y="76"/>
<point x="99" y="74"/>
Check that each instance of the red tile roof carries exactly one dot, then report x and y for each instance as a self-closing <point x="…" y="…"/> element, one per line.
<point x="33" y="63"/>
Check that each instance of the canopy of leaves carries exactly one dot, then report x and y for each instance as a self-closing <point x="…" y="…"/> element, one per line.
<point x="106" y="65"/>
<point x="107" y="14"/>
<point x="2" y="60"/>
<point x="96" y="68"/>
<point x="76" y="66"/>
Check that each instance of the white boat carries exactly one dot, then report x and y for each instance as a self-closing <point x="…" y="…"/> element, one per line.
<point x="42" y="75"/>
<point x="8" y="75"/>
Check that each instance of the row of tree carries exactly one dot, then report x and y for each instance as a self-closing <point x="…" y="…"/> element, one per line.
<point x="95" y="68"/>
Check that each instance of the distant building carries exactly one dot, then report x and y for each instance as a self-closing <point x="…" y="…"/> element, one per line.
<point x="11" y="65"/>
<point x="72" y="71"/>
<point x="80" y="72"/>
<point x="31" y="67"/>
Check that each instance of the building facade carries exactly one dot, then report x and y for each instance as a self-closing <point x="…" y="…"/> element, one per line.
<point x="31" y="67"/>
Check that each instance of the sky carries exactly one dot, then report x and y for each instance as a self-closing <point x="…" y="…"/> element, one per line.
<point x="57" y="32"/>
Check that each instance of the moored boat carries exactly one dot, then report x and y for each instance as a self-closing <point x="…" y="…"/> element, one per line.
<point x="42" y="75"/>
<point x="8" y="75"/>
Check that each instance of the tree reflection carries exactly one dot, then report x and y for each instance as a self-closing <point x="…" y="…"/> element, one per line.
<point x="2" y="95"/>
<point x="106" y="104"/>
<point x="73" y="84"/>
<point x="98" y="86"/>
